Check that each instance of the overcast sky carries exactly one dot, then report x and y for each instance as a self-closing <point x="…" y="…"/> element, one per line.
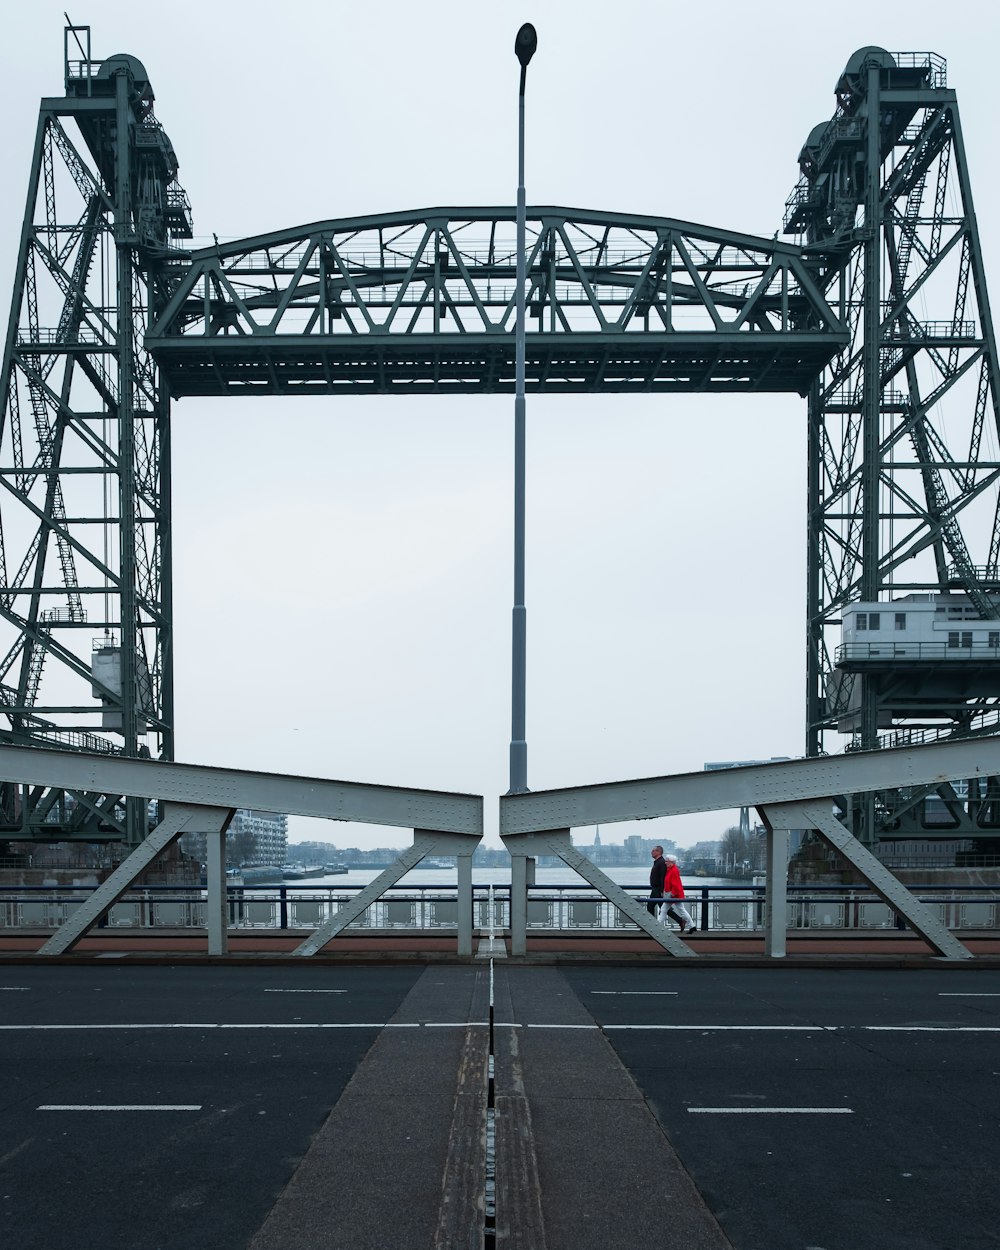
<point x="343" y="572"/>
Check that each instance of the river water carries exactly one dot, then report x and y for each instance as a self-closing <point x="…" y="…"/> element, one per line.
<point x="630" y="875"/>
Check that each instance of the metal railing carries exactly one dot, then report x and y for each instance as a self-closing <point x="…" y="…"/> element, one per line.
<point x="937" y="651"/>
<point x="434" y="909"/>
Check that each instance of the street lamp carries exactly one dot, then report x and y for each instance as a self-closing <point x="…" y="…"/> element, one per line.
<point x="524" y="49"/>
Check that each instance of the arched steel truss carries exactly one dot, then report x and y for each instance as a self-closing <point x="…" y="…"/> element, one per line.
<point x="424" y="301"/>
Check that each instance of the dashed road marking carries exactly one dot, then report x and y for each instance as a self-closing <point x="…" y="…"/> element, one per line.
<point x="125" y="1106"/>
<point x="771" y="1110"/>
<point x="305" y="991"/>
<point x="731" y="1028"/>
<point x="927" y="1028"/>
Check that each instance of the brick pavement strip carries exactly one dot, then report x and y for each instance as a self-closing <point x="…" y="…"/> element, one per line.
<point x="607" y="1174"/>
<point x="377" y="1172"/>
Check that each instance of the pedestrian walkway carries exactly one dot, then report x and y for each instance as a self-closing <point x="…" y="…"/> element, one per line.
<point x="556" y="947"/>
<point x="402" y="1158"/>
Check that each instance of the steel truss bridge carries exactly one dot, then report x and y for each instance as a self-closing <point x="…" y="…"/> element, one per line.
<point x="875" y="310"/>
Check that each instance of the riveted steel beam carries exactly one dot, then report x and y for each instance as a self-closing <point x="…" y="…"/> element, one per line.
<point x="754" y="786"/>
<point x="232" y="788"/>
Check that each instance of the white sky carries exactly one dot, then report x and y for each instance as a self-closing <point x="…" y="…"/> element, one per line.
<point x="343" y="567"/>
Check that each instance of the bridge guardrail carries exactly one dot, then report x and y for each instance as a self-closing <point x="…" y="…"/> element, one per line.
<point x="427" y="909"/>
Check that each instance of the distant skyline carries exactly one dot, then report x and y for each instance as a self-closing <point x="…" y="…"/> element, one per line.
<point x="343" y="567"/>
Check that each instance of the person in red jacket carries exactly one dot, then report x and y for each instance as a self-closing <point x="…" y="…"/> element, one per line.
<point x="674" y="890"/>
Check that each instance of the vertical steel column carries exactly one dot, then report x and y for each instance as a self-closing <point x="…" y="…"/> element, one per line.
<point x="518" y="904"/>
<point x="165" y="547"/>
<point x="464" y="866"/>
<point x="871" y="403"/>
<point x="216" y="907"/>
<point x="136" y="821"/>
<point x="815" y="711"/>
<point x="776" y="886"/>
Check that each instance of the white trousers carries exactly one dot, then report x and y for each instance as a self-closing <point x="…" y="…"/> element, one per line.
<point x="676" y="905"/>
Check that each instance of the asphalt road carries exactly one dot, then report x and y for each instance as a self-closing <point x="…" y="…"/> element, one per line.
<point x="162" y="1179"/>
<point x="813" y="1109"/>
<point x="900" y="1148"/>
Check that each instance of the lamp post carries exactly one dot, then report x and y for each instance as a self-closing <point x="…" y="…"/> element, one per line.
<point x="524" y="49"/>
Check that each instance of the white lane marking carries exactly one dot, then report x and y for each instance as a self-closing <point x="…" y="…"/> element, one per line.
<point x="563" y="1026"/>
<point x="927" y="1028"/>
<point x="771" y="1110"/>
<point x="10" y="988"/>
<point x="639" y="993"/>
<point x="465" y="1024"/>
<point x="965" y="995"/>
<point x="374" y="1024"/>
<point x="730" y="1028"/>
<point x="136" y="1106"/>
<point x="305" y="991"/>
<point x="458" y="1024"/>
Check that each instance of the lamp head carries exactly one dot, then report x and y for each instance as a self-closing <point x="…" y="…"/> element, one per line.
<point x="525" y="44"/>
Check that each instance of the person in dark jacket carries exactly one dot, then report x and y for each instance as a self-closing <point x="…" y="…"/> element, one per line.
<point x="657" y="875"/>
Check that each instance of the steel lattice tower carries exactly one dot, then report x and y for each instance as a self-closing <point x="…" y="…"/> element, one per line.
<point x="904" y="424"/>
<point x="84" y="523"/>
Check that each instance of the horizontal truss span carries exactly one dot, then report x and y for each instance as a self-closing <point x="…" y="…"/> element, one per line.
<point x="426" y="302"/>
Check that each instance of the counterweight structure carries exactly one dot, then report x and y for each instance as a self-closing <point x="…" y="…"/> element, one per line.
<point x="112" y="319"/>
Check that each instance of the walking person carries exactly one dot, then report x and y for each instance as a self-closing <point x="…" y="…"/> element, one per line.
<point x="657" y="875"/>
<point x="673" y="888"/>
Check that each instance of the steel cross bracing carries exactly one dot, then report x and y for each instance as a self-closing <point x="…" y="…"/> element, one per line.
<point x="904" y="423"/>
<point x="85" y="599"/>
<point x="425" y="301"/>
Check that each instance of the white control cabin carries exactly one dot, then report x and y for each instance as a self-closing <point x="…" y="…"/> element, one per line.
<point x="944" y="627"/>
<point x="930" y="655"/>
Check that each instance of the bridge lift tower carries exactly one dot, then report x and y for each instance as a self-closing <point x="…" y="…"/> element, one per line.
<point x="903" y="436"/>
<point x="878" y="314"/>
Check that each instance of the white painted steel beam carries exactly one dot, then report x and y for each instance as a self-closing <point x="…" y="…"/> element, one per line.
<point x="792" y="781"/>
<point x="425" y="842"/>
<point x="819" y="816"/>
<point x="216" y="900"/>
<point x="180" y="818"/>
<point x="233" y="788"/>
<point x="776" y="886"/>
<point x="558" y="842"/>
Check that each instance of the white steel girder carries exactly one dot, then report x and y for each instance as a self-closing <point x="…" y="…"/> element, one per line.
<point x="759" y="785"/>
<point x="231" y="787"/>
<point x="204" y="799"/>
<point x="791" y="794"/>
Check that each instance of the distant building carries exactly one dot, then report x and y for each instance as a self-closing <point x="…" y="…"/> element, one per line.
<point x="253" y="838"/>
<point x="635" y="849"/>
